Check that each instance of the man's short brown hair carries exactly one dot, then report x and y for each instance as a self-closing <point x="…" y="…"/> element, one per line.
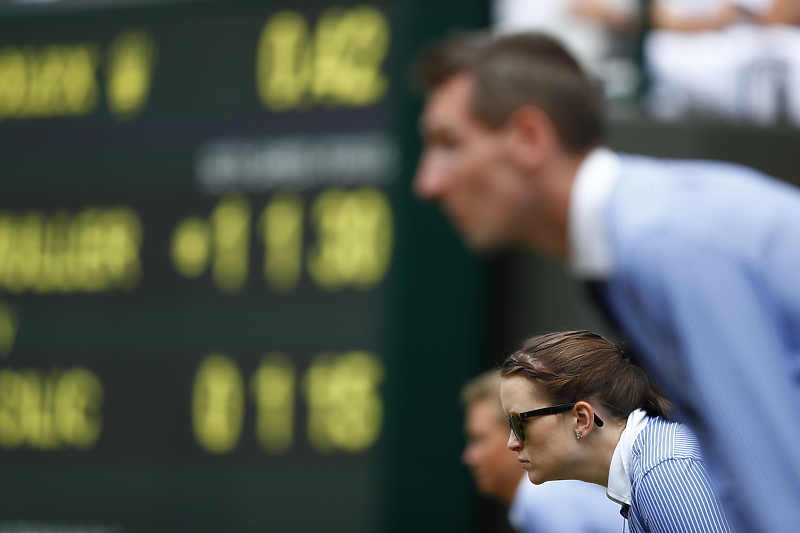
<point x="484" y="388"/>
<point x="513" y="71"/>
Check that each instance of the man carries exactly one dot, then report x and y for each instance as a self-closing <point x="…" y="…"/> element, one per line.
<point x="553" y="507"/>
<point x="697" y="262"/>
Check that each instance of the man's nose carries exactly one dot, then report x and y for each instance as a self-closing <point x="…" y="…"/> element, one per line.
<point x="430" y="181"/>
<point x="465" y="456"/>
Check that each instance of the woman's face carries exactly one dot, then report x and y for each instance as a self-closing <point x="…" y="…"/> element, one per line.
<point x="548" y="452"/>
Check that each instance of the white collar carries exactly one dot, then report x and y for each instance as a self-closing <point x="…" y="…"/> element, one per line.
<point x="619" y="479"/>
<point x="590" y="246"/>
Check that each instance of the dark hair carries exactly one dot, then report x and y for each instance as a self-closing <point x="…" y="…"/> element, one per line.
<point x="581" y="365"/>
<point x="518" y="70"/>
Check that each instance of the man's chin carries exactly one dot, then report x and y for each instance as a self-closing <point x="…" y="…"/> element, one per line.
<point x="483" y="244"/>
<point x="484" y="486"/>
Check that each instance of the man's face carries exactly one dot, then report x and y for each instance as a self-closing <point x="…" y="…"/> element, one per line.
<point x="467" y="167"/>
<point x="494" y="467"/>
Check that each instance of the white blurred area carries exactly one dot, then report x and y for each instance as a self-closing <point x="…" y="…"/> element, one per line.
<point x="601" y="34"/>
<point x="736" y="60"/>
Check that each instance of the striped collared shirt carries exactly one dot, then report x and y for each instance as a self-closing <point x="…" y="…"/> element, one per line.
<point x="669" y="488"/>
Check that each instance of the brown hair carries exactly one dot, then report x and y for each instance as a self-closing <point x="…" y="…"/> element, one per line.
<point x="582" y="365"/>
<point x="517" y="70"/>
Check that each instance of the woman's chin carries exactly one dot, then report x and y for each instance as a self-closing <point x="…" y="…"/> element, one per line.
<point x="535" y="478"/>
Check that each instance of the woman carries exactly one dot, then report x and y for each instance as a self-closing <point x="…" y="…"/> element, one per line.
<point x="579" y="410"/>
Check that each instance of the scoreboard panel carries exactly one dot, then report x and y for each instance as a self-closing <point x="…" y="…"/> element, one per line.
<point x="220" y="307"/>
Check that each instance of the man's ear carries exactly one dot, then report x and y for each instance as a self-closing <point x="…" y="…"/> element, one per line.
<point x="531" y="136"/>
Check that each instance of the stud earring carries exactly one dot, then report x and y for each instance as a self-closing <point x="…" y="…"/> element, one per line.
<point x="578" y="435"/>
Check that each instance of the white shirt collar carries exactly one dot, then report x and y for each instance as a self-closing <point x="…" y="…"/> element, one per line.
<point x="590" y="246"/>
<point x="619" y="479"/>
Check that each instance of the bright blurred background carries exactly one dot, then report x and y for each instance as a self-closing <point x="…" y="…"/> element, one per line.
<point x="221" y="307"/>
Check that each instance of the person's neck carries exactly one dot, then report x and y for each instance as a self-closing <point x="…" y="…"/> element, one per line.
<point x="549" y="234"/>
<point x="602" y="444"/>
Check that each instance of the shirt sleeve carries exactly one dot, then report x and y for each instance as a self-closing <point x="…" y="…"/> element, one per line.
<point x="676" y="496"/>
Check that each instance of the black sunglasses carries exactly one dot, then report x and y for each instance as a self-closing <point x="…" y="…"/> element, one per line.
<point x="515" y="420"/>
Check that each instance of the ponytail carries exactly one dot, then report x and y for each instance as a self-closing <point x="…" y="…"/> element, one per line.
<point x="581" y="365"/>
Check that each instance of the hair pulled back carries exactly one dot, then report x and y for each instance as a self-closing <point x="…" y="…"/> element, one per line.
<point x="571" y="366"/>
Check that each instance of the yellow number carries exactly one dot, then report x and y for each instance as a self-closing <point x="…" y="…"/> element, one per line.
<point x="330" y="49"/>
<point x="375" y="235"/>
<point x="354" y="238"/>
<point x="339" y="65"/>
<point x="282" y="64"/>
<point x="223" y="241"/>
<point x="48" y="412"/>
<point x="191" y="246"/>
<point x="281" y="227"/>
<point x="231" y="230"/>
<point x="322" y="257"/>
<point x="131" y="61"/>
<point x="350" y="46"/>
<point x="273" y="388"/>
<point x="345" y="409"/>
<point x="218" y="404"/>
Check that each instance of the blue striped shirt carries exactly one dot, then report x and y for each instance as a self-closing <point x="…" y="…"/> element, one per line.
<point x="670" y="488"/>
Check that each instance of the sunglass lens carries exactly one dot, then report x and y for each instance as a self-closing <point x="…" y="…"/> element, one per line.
<point x="516" y="427"/>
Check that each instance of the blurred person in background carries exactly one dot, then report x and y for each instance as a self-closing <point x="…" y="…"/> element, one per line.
<point x="579" y="410"/>
<point x="601" y="34"/>
<point x="695" y="261"/>
<point x="732" y="59"/>
<point x="556" y="507"/>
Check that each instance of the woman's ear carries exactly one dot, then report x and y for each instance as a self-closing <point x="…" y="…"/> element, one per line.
<point x="584" y="419"/>
<point x="531" y="136"/>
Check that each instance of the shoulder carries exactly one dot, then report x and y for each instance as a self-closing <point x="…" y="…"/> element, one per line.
<point x="666" y="454"/>
<point x="692" y="200"/>
<point x="662" y="440"/>
<point x="670" y="488"/>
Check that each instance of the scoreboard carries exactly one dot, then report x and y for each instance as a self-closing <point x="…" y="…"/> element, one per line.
<point x="221" y="309"/>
